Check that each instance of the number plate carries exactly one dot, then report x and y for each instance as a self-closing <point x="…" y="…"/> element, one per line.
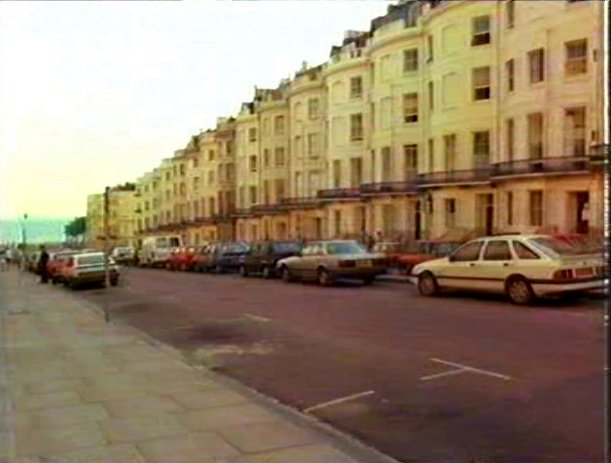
<point x="583" y="272"/>
<point x="365" y="263"/>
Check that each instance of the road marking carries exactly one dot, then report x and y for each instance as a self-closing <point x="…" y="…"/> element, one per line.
<point x="257" y="318"/>
<point x="445" y="373"/>
<point x="475" y="370"/>
<point x="338" y="401"/>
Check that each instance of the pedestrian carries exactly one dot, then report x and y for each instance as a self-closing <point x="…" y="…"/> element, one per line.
<point x="43" y="260"/>
<point x="370" y="242"/>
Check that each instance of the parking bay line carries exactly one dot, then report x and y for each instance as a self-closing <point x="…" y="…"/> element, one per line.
<point x="338" y="401"/>
<point x="472" y="369"/>
<point x="257" y="318"/>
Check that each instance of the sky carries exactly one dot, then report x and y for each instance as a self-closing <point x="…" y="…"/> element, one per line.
<point x="97" y="93"/>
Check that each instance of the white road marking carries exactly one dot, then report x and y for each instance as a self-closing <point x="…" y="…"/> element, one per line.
<point x="338" y="401"/>
<point x="257" y="318"/>
<point x="445" y="373"/>
<point x="475" y="370"/>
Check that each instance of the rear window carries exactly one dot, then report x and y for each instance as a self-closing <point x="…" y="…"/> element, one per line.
<point x="287" y="247"/>
<point x="91" y="260"/>
<point x="565" y="247"/>
<point x="345" y="248"/>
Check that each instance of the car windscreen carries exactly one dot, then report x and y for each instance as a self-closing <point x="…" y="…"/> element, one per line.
<point x="287" y="247"/>
<point x="235" y="248"/>
<point x="91" y="260"/>
<point x="563" y="247"/>
<point x="345" y="248"/>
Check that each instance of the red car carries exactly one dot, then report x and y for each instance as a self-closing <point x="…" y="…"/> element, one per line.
<point x="181" y="259"/>
<point x="57" y="261"/>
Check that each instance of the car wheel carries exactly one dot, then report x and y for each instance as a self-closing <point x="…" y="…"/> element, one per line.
<point x="368" y="280"/>
<point x="218" y="269"/>
<point x="53" y="281"/>
<point x="324" y="279"/>
<point x="243" y="271"/>
<point x="427" y="284"/>
<point x="114" y="282"/>
<point x="72" y="285"/>
<point x="286" y="274"/>
<point x="266" y="271"/>
<point x="519" y="291"/>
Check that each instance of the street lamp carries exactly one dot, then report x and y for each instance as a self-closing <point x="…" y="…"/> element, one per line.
<point x="24" y="237"/>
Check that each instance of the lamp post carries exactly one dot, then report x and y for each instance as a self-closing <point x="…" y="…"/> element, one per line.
<point x="24" y="239"/>
<point x="106" y="251"/>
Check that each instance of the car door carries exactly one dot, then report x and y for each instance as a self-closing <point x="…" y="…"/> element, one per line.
<point x="460" y="270"/>
<point x="301" y="264"/>
<point x="495" y="266"/>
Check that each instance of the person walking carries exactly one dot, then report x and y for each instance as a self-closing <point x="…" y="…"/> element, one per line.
<point x="43" y="260"/>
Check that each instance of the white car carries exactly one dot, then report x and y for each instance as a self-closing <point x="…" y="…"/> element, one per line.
<point x="523" y="267"/>
<point x="87" y="268"/>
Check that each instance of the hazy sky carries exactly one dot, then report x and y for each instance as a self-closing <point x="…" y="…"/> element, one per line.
<point x="97" y="93"/>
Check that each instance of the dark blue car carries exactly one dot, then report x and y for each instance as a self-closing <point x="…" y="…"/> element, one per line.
<point x="227" y="257"/>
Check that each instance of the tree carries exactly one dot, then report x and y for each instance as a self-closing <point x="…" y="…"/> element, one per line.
<point x="76" y="227"/>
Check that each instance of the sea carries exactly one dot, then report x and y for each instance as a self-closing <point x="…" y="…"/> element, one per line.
<point x="37" y="230"/>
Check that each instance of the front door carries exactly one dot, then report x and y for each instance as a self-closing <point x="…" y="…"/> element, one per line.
<point x="495" y="266"/>
<point x="485" y="214"/>
<point x="583" y="212"/>
<point x="462" y="268"/>
<point x="417" y="220"/>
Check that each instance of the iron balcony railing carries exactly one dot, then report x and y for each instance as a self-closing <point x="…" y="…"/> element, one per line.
<point x="479" y="174"/>
<point x="299" y="202"/>
<point x="541" y="165"/>
<point x="409" y="185"/>
<point x="339" y="193"/>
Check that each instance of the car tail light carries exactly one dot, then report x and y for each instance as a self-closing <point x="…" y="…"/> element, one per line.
<point x="346" y="263"/>
<point x="565" y="274"/>
<point x="70" y="263"/>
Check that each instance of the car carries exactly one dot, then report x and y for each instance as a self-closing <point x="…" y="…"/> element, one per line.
<point x="262" y="257"/>
<point x="226" y="257"/>
<point x="156" y="250"/>
<point x="56" y="264"/>
<point x="181" y="259"/>
<point x="325" y="261"/>
<point x="123" y="254"/>
<point x="88" y="267"/>
<point x="203" y="257"/>
<point x="524" y="267"/>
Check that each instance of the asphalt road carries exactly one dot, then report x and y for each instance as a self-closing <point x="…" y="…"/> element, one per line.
<point x="450" y="379"/>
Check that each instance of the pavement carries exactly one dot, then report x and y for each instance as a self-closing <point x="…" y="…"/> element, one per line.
<point x="74" y="388"/>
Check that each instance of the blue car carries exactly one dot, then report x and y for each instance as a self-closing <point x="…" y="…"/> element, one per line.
<point x="227" y="257"/>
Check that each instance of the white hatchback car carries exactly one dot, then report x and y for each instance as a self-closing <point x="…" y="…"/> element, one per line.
<point x="523" y="267"/>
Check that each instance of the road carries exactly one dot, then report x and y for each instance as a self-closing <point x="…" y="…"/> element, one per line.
<point x="458" y="378"/>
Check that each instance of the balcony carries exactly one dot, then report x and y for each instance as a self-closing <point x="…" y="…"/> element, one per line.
<point x="339" y="193"/>
<point x="477" y="175"/>
<point x="242" y="213"/>
<point x="409" y="185"/>
<point x="545" y="165"/>
<point x="306" y="202"/>
<point x="266" y="209"/>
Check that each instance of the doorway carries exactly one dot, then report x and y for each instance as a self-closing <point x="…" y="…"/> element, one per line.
<point x="417" y="220"/>
<point x="582" y="210"/>
<point x="485" y="214"/>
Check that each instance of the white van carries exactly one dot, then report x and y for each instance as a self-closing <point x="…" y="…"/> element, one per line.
<point x="156" y="249"/>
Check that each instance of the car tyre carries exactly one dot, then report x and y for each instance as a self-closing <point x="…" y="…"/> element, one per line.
<point x="519" y="291"/>
<point x="114" y="282"/>
<point x="369" y="280"/>
<point x="324" y="278"/>
<point x="266" y="272"/>
<point x="427" y="284"/>
<point x="218" y="269"/>
<point x="243" y="271"/>
<point x="287" y="277"/>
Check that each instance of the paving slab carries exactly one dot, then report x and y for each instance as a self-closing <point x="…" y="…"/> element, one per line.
<point x="65" y="416"/>
<point x="142" y="406"/>
<point x="47" y="400"/>
<point x="191" y="448"/>
<point x="119" y="453"/>
<point x="138" y="428"/>
<point x="321" y="453"/>
<point x="209" y="398"/>
<point x="227" y="417"/>
<point x="268" y="436"/>
<point x="47" y="441"/>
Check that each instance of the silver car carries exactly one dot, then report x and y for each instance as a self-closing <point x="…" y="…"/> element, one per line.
<point x="88" y="268"/>
<point x="325" y="261"/>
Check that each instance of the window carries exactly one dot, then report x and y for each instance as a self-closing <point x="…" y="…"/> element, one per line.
<point x="467" y="252"/>
<point x="431" y="154"/>
<point x="356" y="87"/>
<point x="279" y="185"/>
<point x="337" y="219"/>
<point x="410" y="156"/>
<point x="535" y="136"/>
<point x="252" y="163"/>
<point x="356" y="172"/>
<point x="312" y="145"/>
<point x="481" y="31"/>
<point x="510" y="134"/>
<point x="429" y="42"/>
<point x="253" y="194"/>
<point x="266" y="157"/>
<point x="575" y="131"/>
<point x="509" y="205"/>
<point x="196" y="183"/>
<point x="523" y="251"/>
<point x="536" y="63"/>
<point x="211" y="155"/>
<point x="510" y="72"/>
<point x="536" y="208"/>
<point x="210" y="177"/>
<point x="280" y="156"/>
<point x="450" y="213"/>
<point x="337" y="174"/>
<point x="481" y="148"/>
<point x="252" y="134"/>
<point x="266" y="192"/>
<point x="266" y="126"/>
<point x="481" y="83"/>
<point x="313" y="108"/>
<point x="497" y="250"/>
<point x="449" y="143"/>
<point x="195" y="162"/>
<point x="410" y="60"/>
<point x="576" y="57"/>
<point x="431" y="95"/>
<point x="298" y="147"/>
<point x="410" y="107"/>
<point x="510" y="13"/>
<point x="356" y="127"/>
<point x="279" y="125"/>
<point x="386" y="164"/>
